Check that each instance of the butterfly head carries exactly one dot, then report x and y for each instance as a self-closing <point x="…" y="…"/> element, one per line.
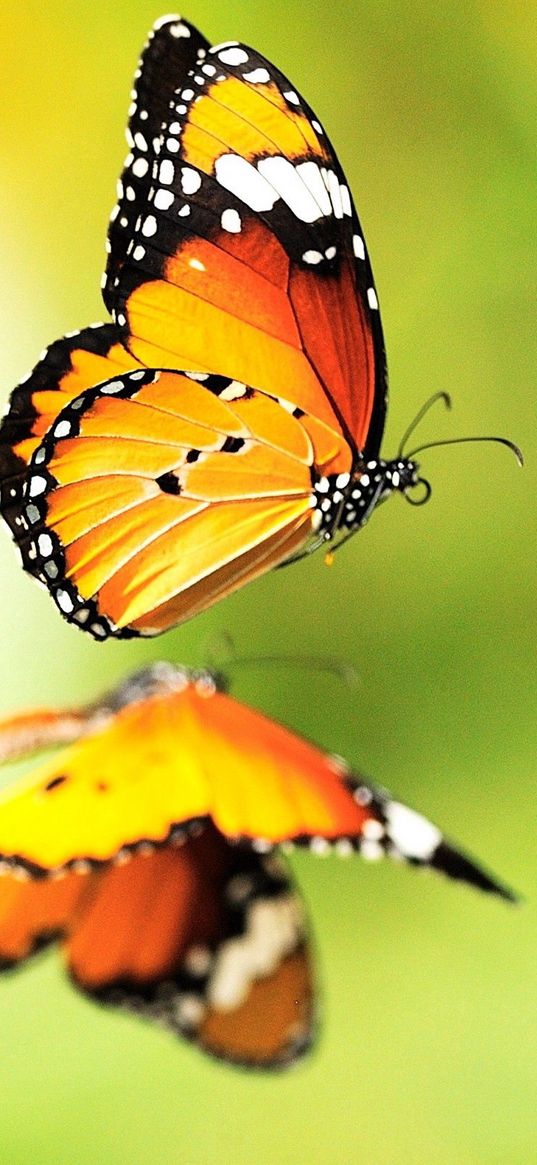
<point x="345" y="501"/>
<point x="402" y="474"/>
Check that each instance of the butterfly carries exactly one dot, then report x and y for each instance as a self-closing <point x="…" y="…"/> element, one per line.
<point x="229" y="419"/>
<point x="149" y="846"/>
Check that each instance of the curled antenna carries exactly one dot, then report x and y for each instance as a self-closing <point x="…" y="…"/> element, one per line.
<point x="443" y="396"/>
<point x="419" y="499"/>
<point x="463" y="440"/>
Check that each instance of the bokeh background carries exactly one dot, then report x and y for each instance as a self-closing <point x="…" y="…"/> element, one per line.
<point x="428" y="1044"/>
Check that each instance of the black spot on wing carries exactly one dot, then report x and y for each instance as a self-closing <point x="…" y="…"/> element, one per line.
<point x="55" y="783"/>
<point x="169" y="483"/>
<point x="232" y="445"/>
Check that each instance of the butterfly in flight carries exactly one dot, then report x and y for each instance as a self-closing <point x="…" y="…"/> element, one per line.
<point x="148" y="847"/>
<point x="229" y="419"/>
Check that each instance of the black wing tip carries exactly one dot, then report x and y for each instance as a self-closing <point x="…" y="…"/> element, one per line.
<point x="456" y="865"/>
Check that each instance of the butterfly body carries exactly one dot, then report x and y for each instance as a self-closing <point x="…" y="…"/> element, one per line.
<point x="229" y="420"/>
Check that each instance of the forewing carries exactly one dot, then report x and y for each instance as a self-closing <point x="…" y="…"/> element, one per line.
<point x="172" y="48"/>
<point x="248" y="259"/>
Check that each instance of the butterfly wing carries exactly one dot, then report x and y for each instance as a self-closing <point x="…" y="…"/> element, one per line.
<point x="64" y="370"/>
<point x="173" y="47"/>
<point x="248" y="259"/>
<point x="205" y="938"/>
<point x="189" y="755"/>
<point x="157" y="493"/>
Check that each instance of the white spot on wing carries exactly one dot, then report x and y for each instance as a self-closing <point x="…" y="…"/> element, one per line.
<point x="233" y="391"/>
<point x="179" y="30"/>
<point x="312" y="257"/>
<point x="166" y="172"/>
<point x="140" y="167"/>
<point x="345" y="200"/>
<point x="332" y="185"/>
<point x="38" y="485"/>
<point x="372" y="298"/>
<point x="190" y="180"/>
<point x="112" y="387"/>
<point x="163" y="199"/>
<point x="62" y="429"/>
<point x="412" y="834"/>
<point x="233" y="56"/>
<point x="64" y="602"/>
<point x="231" y="221"/>
<point x="274" y="927"/>
<point x="257" y="76"/>
<point x="311" y="175"/>
<point x="245" y="182"/>
<point x="45" y="545"/>
<point x="285" y="179"/>
<point x="149" y="227"/>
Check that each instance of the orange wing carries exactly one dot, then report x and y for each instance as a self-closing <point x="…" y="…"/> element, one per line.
<point x="248" y="259"/>
<point x="207" y="939"/>
<point x="170" y="752"/>
<point x="64" y="370"/>
<point x="157" y="493"/>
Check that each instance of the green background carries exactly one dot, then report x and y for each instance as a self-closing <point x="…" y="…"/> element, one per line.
<point x="428" y="1045"/>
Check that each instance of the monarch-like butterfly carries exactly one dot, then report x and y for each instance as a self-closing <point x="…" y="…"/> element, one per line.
<point x="148" y="847"/>
<point x="231" y="416"/>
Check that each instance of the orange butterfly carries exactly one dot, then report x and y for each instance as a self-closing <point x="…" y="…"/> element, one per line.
<point x="147" y="846"/>
<point x="230" y="418"/>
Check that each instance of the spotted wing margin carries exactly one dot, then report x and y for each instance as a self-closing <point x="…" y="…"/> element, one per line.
<point x="177" y="754"/>
<point x="206" y="939"/>
<point x="172" y="48"/>
<point x="405" y="835"/>
<point x="157" y="493"/>
<point x="65" y="369"/>
<point x="250" y="240"/>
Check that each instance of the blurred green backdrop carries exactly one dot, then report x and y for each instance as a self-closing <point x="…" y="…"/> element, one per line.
<point x="428" y="1046"/>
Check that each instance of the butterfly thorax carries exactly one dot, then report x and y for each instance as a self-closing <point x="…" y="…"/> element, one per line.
<point x="344" y="501"/>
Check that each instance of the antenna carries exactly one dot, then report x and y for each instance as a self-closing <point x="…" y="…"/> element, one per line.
<point x="443" y="396"/>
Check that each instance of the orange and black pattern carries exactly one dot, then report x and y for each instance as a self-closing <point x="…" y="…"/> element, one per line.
<point x="201" y="936"/>
<point x="171" y="51"/>
<point x="147" y="849"/>
<point x="168" y="752"/>
<point x="236" y="260"/>
<point x="250" y="232"/>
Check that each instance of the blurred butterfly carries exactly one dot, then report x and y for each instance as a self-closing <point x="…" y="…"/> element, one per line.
<point x="148" y="848"/>
<point x="230" y="418"/>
